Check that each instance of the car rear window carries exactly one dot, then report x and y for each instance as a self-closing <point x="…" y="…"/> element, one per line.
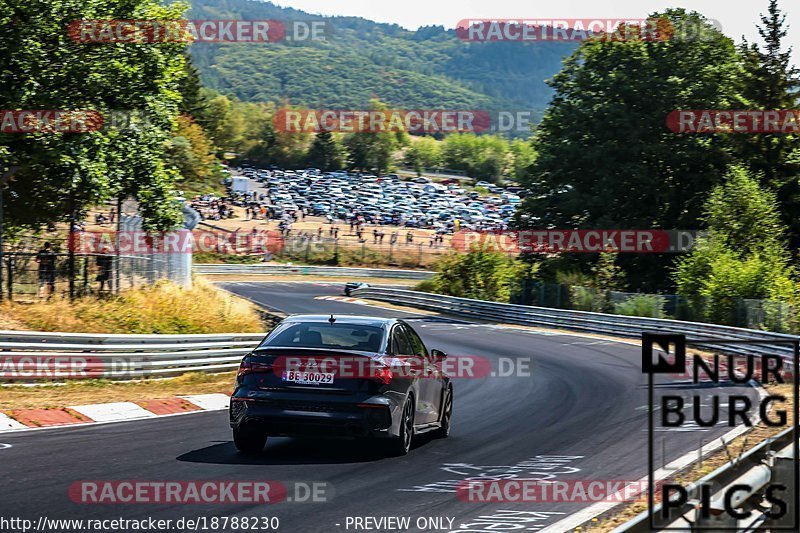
<point x="323" y="335"/>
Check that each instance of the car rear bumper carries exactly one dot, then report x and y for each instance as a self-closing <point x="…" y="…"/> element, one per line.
<point x="294" y="418"/>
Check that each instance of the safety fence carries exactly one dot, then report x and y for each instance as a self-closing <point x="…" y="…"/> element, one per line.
<point x="23" y="278"/>
<point x="744" y="484"/>
<point x="584" y="321"/>
<point x="768" y="315"/>
<point x="28" y="356"/>
<point x="310" y="270"/>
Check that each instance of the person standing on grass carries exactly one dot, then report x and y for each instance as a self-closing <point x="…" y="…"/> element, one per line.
<point x="46" y="259"/>
<point x="105" y="264"/>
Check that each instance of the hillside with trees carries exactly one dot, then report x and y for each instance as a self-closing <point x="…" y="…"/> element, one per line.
<point x="360" y="60"/>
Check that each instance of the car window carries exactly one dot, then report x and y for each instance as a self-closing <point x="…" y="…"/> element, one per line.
<point x="416" y="342"/>
<point x="400" y="343"/>
<point x="319" y="335"/>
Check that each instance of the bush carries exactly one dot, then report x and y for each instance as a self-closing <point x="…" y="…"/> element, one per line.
<point x="427" y="285"/>
<point x="646" y="305"/>
<point x="744" y="256"/>
<point x="480" y="275"/>
<point x="587" y="299"/>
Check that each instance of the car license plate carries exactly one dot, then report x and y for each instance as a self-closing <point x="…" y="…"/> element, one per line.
<point x="307" y="378"/>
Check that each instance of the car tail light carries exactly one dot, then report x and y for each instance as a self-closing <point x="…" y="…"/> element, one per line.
<point x="246" y="367"/>
<point x="382" y="375"/>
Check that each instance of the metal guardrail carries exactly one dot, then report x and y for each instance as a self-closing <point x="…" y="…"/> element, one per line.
<point x="760" y="465"/>
<point x="772" y="461"/>
<point x="585" y="321"/>
<point x="302" y="270"/>
<point x="29" y="356"/>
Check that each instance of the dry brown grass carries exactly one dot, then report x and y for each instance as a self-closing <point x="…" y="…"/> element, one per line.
<point x="9" y="322"/>
<point x="162" y="308"/>
<point x="104" y="391"/>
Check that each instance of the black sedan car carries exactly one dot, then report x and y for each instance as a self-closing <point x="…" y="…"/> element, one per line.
<point x="350" y="286"/>
<point x="343" y="376"/>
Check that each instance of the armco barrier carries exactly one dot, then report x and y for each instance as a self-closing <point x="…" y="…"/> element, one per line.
<point x="770" y="460"/>
<point x="302" y="270"/>
<point x="34" y="356"/>
<point x="584" y="321"/>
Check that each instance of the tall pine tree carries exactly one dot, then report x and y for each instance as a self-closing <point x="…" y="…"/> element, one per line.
<point x="771" y="83"/>
<point x="325" y="152"/>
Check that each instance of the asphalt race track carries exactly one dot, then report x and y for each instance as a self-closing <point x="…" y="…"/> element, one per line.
<point x="580" y="415"/>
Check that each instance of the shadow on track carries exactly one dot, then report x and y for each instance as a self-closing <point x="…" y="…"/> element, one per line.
<point x="287" y="451"/>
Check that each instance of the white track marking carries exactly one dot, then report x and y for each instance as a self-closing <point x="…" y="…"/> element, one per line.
<point x="6" y="422"/>
<point x="107" y="412"/>
<point x="209" y="402"/>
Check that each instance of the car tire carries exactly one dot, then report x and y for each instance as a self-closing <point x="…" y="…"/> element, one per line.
<point x="444" y="430"/>
<point x="249" y="441"/>
<point x="401" y="444"/>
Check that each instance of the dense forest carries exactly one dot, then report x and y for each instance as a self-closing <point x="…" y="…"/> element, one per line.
<point x="360" y="60"/>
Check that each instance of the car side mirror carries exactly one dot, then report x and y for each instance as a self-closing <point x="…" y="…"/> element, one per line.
<point x="438" y="354"/>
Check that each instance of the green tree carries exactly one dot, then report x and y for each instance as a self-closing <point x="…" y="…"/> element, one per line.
<point x="192" y="153"/>
<point x="326" y="152"/>
<point x="484" y="157"/>
<point x="44" y="68"/>
<point x="523" y="155"/>
<point x="371" y="150"/>
<point x="194" y="102"/>
<point x="423" y="152"/>
<point x="605" y="158"/>
<point x="480" y="274"/>
<point x="607" y="274"/>
<point x="771" y="82"/>
<point x="744" y="254"/>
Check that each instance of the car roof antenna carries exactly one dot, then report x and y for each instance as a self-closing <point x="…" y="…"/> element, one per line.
<point x="331" y="319"/>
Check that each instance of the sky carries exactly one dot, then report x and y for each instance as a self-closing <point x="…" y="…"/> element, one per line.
<point x="737" y="17"/>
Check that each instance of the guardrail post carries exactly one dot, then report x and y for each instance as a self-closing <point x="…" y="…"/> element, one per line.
<point x="783" y="473"/>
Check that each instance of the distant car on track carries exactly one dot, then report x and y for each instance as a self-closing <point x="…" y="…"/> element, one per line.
<point x="350" y="286"/>
<point x="344" y="376"/>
